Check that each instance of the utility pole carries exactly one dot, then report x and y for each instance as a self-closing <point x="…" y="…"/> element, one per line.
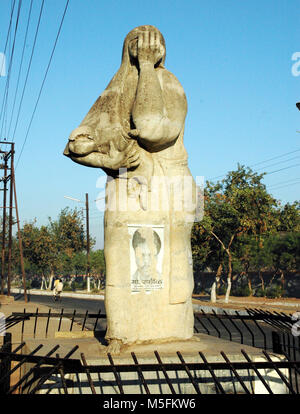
<point x="87" y="242"/>
<point x="4" y="179"/>
<point x="20" y="243"/>
<point x="11" y="194"/>
<point x="9" y="155"/>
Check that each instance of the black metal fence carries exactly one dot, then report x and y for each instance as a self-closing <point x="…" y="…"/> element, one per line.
<point x="270" y="331"/>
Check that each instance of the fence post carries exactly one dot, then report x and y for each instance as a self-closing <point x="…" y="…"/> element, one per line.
<point x="5" y="364"/>
<point x="276" y="344"/>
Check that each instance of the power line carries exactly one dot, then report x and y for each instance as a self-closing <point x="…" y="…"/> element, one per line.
<point x="282" y="186"/>
<point x="20" y="68"/>
<point x="28" y="69"/>
<point x="284" y="182"/>
<point x="5" y="97"/>
<point x="281" y="169"/>
<point x="262" y="162"/>
<point x="8" y="32"/>
<point x="40" y="92"/>
<point x="276" y="163"/>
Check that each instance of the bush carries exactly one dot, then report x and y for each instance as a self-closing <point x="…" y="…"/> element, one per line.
<point x="242" y="291"/>
<point x="222" y="290"/>
<point x="260" y="293"/>
<point x="35" y="284"/>
<point x="274" y="292"/>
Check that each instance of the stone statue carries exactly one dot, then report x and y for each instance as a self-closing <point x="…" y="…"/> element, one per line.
<point x="134" y="132"/>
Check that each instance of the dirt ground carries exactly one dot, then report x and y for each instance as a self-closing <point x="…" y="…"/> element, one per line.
<point x="287" y="305"/>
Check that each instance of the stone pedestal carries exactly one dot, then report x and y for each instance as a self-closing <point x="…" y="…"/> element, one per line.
<point x="211" y="347"/>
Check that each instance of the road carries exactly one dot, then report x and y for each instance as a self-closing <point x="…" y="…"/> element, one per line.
<point x="69" y="304"/>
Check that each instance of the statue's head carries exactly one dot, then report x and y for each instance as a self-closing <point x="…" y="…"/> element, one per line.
<point x="131" y="43"/>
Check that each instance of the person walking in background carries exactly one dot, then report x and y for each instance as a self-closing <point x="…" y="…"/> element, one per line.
<point x="58" y="287"/>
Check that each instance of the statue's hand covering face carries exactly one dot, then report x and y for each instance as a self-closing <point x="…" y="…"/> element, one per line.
<point x="147" y="46"/>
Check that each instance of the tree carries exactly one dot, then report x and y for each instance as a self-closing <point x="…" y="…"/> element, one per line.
<point x="38" y="247"/>
<point x="236" y="206"/>
<point x="98" y="270"/>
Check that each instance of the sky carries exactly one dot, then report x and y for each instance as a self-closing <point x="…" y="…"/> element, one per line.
<point x="238" y="62"/>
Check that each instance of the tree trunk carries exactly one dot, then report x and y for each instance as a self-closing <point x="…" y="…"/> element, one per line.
<point x="43" y="282"/>
<point x="262" y="280"/>
<point x="213" y="294"/>
<point x="51" y="280"/>
<point x="282" y="279"/>
<point x="228" y="277"/>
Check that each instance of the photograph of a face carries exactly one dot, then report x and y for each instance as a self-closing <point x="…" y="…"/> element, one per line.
<point x="146" y="253"/>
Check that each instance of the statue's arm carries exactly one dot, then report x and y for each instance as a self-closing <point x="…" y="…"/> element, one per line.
<point x="83" y="150"/>
<point x="160" y="106"/>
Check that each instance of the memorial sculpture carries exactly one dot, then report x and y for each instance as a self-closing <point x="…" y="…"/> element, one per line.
<point x="134" y="133"/>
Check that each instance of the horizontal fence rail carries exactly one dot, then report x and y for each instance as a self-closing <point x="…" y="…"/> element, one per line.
<point x="44" y="367"/>
<point x="269" y="331"/>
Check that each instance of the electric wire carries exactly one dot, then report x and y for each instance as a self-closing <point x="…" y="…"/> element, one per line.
<point x="5" y="98"/>
<point x="261" y="162"/>
<point x="43" y="82"/>
<point x="28" y="70"/>
<point x="21" y="64"/>
<point x="8" y="32"/>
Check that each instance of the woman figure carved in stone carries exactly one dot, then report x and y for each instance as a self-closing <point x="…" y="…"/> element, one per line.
<point x="134" y="132"/>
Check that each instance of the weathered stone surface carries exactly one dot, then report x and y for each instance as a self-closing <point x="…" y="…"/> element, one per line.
<point x="134" y="132"/>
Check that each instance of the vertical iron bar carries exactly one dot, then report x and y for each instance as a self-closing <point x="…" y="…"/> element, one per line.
<point x="257" y="372"/>
<point x="87" y="371"/>
<point x="164" y="372"/>
<point x="202" y="324"/>
<point x="276" y="344"/>
<point x="223" y="324"/>
<point x="5" y="365"/>
<point x="96" y="322"/>
<point x="214" y="377"/>
<point x="235" y="372"/>
<point x="83" y="325"/>
<point x="62" y="376"/>
<point x="259" y="328"/>
<point x="295" y="358"/>
<point x="279" y="372"/>
<point x="212" y="324"/>
<point x="115" y="373"/>
<point x="61" y="315"/>
<point x="247" y="327"/>
<point x="48" y="318"/>
<point x="140" y="373"/>
<point x="35" y="321"/>
<point x="187" y="370"/>
<point x="236" y="327"/>
<point x="23" y="323"/>
<point x="71" y="327"/>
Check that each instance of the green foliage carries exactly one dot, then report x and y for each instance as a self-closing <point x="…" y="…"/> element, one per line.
<point x="260" y="293"/>
<point x="245" y="229"/>
<point x="242" y="291"/>
<point x="274" y="292"/>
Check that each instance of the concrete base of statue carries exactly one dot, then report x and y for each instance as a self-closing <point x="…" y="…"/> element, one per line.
<point x="211" y="347"/>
